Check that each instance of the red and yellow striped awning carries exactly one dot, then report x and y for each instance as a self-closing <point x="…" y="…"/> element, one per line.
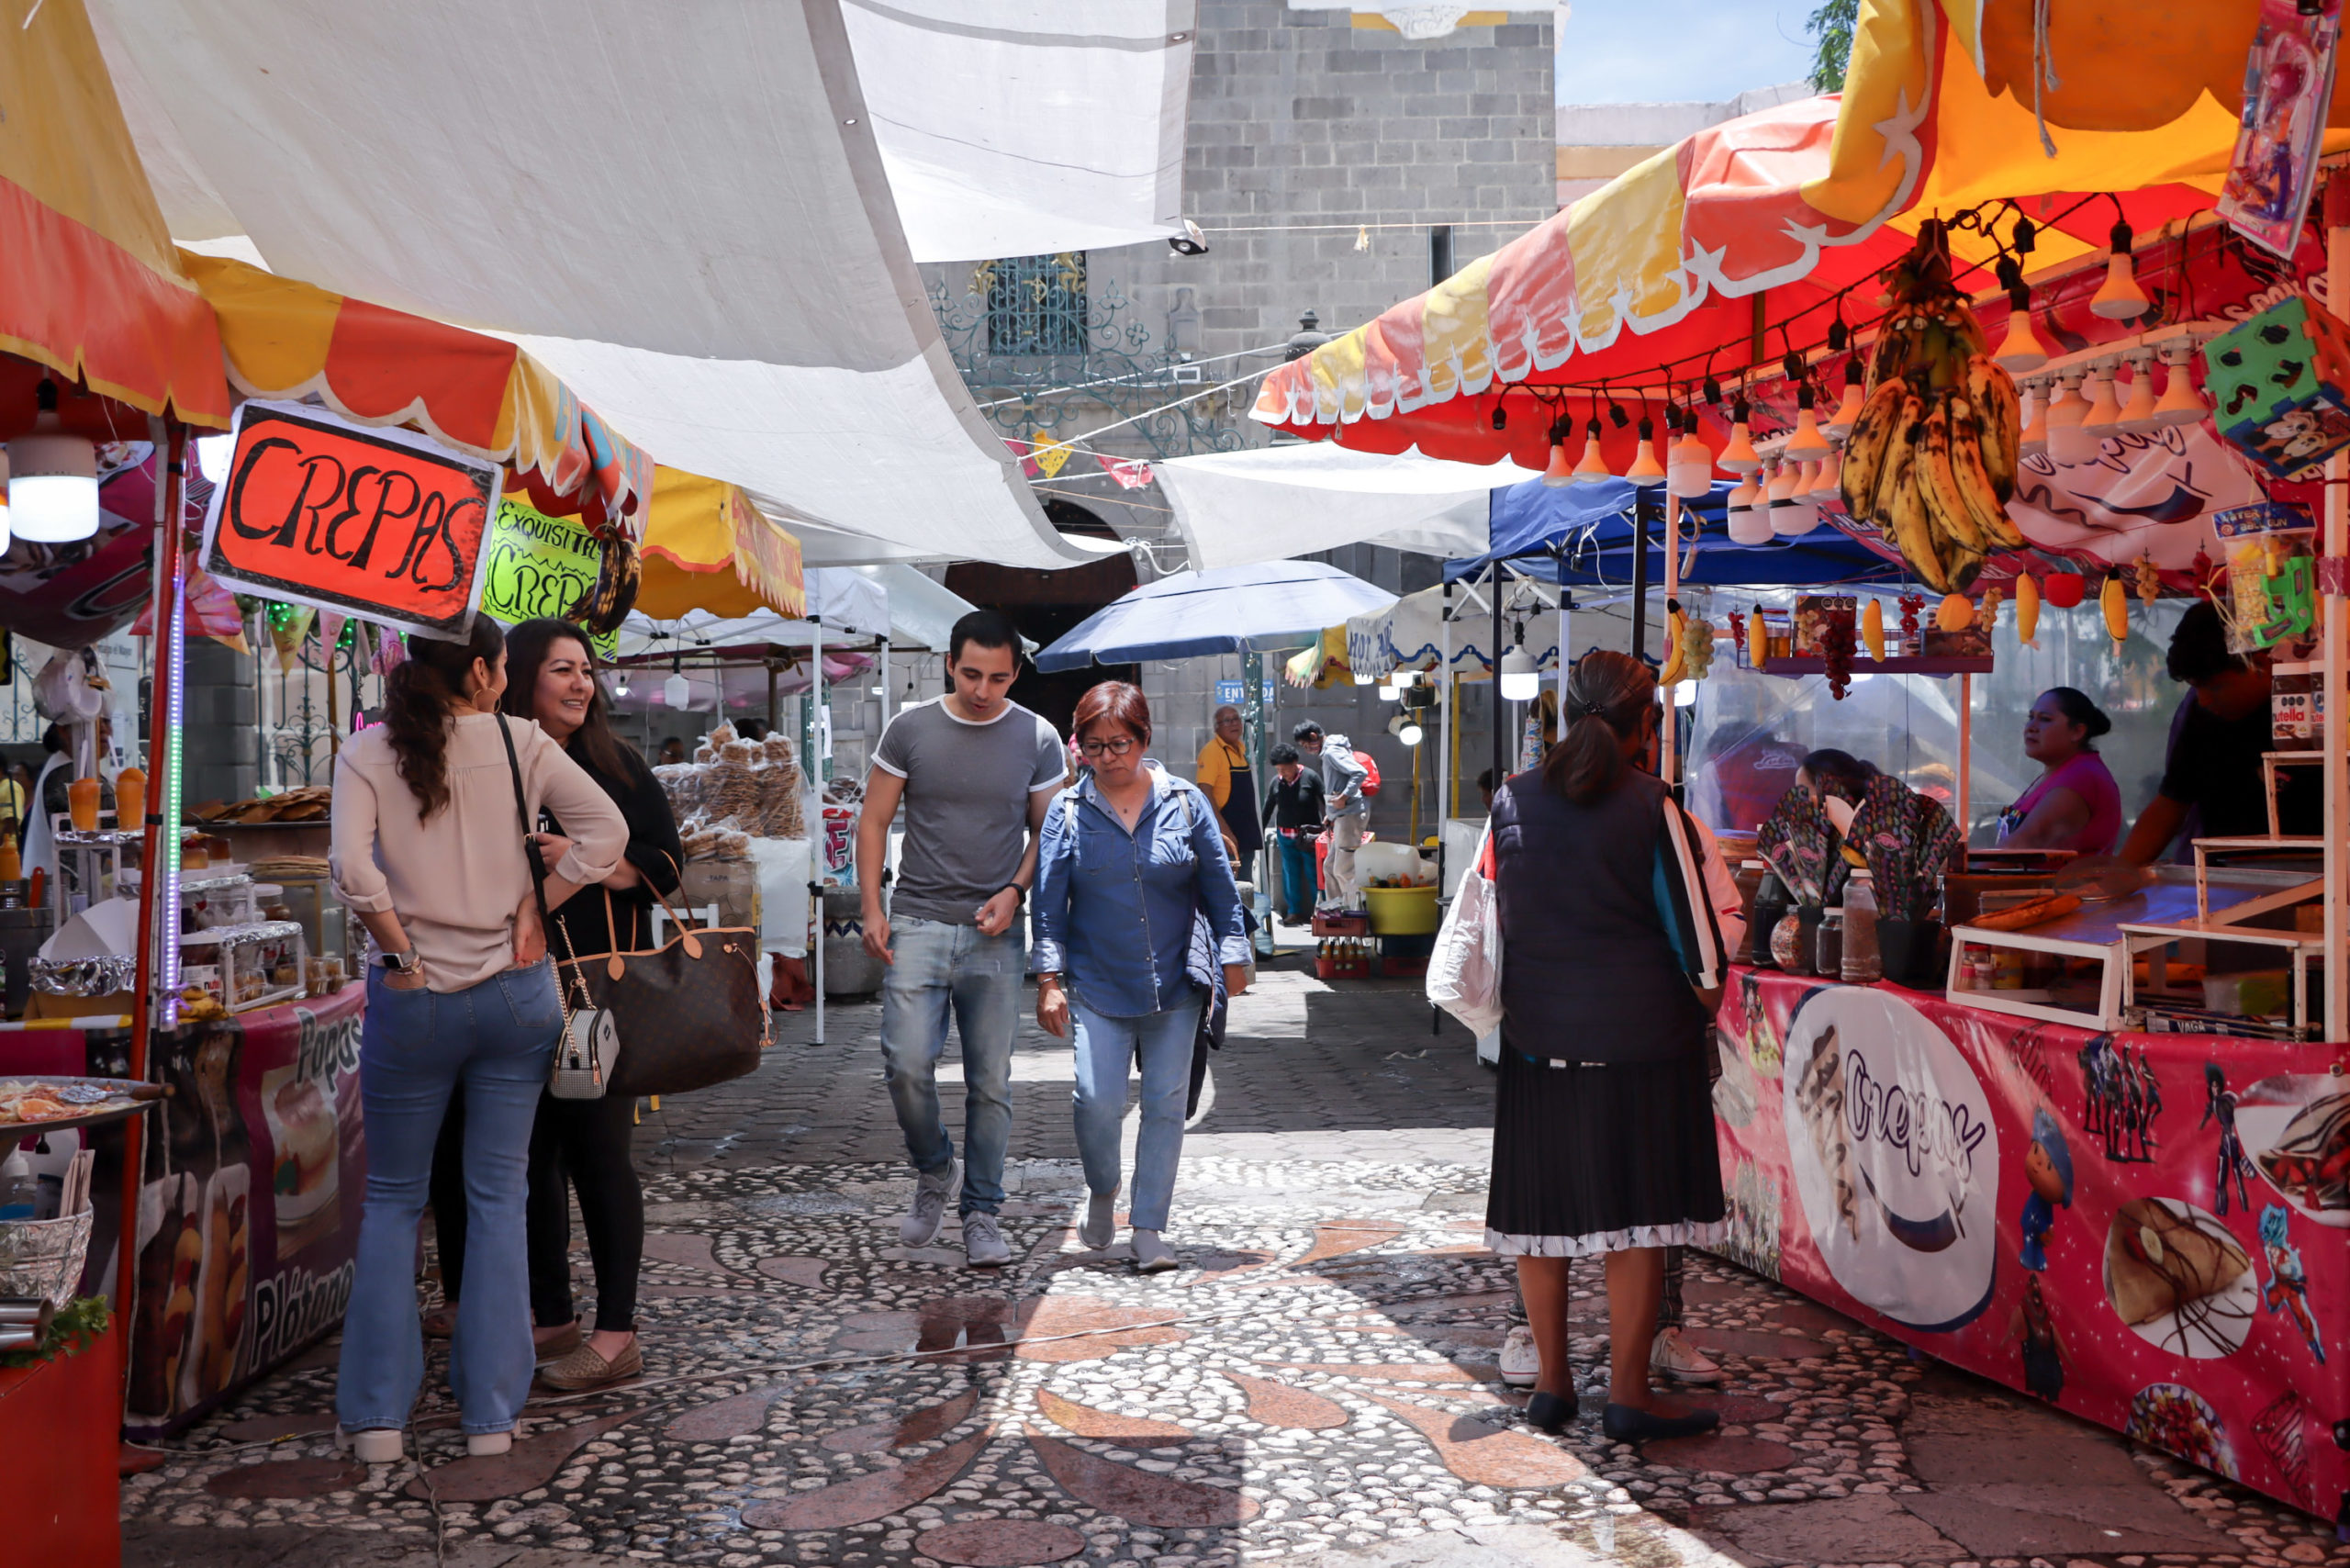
<point x="91" y="288"/>
<point x="1791" y="206"/>
<point x="283" y="339"/>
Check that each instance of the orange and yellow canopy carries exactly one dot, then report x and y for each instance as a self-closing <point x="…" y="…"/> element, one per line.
<point x="1736" y="243"/>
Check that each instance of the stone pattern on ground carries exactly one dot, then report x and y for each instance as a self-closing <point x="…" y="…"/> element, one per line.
<point x="1319" y="1380"/>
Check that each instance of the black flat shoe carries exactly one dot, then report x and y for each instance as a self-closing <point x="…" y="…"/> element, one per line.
<point x="1550" y="1412"/>
<point x="1624" y="1424"/>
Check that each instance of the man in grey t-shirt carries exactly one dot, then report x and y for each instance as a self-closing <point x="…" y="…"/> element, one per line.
<point x="975" y="772"/>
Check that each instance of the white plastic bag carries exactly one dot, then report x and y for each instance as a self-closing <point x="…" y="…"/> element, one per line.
<point x="1465" y="969"/>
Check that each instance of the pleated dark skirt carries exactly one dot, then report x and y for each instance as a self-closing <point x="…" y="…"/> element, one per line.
<point x="1599" y="1158"/>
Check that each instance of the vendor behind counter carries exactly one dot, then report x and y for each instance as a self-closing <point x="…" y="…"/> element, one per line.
<point x="2212" y="785"/>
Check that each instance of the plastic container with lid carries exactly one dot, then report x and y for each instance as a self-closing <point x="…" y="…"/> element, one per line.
<point x="1864" y="963"/>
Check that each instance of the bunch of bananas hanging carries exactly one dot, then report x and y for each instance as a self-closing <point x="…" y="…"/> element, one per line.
<point x="1932" y="459"/>
<point x="613" y="594"/>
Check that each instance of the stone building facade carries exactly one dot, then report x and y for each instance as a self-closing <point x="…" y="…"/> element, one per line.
<point x="1334" y="164"/>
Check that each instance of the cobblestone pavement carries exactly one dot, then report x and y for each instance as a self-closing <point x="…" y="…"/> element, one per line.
<point x="1314" y="1387"/>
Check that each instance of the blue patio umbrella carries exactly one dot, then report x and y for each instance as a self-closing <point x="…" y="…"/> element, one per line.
<point x="1228" y="609"/>
<point x="1590" y="529"/>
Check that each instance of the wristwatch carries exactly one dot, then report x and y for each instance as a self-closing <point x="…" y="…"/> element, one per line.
<point x="403" y="963"/>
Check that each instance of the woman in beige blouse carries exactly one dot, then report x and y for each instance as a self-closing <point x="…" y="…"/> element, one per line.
<point x="427" y="851"/>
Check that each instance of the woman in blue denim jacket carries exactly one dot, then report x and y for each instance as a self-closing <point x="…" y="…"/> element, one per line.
<point x="1130" y="858"/>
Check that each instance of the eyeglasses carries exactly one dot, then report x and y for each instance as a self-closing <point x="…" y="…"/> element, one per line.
<point x="1118" y="746"/>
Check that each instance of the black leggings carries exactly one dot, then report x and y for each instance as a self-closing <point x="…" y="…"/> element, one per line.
<point x="575" y="1143"/>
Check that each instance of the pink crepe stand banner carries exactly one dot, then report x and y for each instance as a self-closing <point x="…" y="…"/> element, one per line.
<point x="2145" y="1230"/>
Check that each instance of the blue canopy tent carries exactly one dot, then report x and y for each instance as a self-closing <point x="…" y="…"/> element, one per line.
<point x="1589" y="527"/>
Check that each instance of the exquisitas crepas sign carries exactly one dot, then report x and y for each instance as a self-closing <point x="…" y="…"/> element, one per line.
<point x="381" y="523"/>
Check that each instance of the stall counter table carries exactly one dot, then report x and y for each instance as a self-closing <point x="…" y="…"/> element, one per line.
<point x="252" y="1177"/>
<point x="2146" y="1231"/>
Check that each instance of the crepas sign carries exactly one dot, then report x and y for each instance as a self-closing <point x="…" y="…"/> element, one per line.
<point x="383" y="523"/>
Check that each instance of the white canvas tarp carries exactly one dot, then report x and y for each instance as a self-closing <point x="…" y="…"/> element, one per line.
<point x="1276" y="503"/>
<point x="853" y="606"/>
<point x="680" y="209"/>
<point x="1026" y="126"/>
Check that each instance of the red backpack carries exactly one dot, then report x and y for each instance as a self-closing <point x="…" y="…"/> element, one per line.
<point x="1369" y="774"/>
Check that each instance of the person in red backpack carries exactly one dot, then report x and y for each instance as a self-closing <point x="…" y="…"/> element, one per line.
<point x="1345" y="803"/>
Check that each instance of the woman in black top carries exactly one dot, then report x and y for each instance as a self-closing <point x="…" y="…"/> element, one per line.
<point x="582" y="1143"/>
<point x="1612" y="964"/>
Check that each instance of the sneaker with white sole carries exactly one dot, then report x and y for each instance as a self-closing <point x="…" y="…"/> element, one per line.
<point x="933" y="1191"/>
<point x="489" y="1445"/>
<point x="1100" y="1226"/>
<point x="1521" y="1362"/>
<point x="984" y="1241"/>
<point x="1674" y="1356"/>
<point x="1152" y="1255"/>
<point x="377" y="1445"/>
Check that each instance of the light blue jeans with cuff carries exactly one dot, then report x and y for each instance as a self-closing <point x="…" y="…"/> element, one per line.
<point x="493" y="1043"/>
<point x="940" y="968"/>
<point x="1106" y="1050"/>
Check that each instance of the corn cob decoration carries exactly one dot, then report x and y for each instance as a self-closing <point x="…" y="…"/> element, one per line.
<point x="2027" y="608"/>
<point x="2115" y="602"/>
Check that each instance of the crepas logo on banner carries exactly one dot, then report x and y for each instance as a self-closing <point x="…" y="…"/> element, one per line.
<point x="383" y="523"/>
<point x="1895" y="1155"/>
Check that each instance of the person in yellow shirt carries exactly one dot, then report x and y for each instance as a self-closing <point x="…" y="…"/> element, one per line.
<point x="1225" y="779"/>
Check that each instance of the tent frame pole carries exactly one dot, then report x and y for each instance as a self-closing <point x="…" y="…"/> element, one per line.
<point x="1668" y="762"/>
<point x="1253" y="715"/>
<point x="810" y="769"/>
<point x="1445" y="696"/>
<point x="2334" y="654"/>
<point x="1501" y="714"/>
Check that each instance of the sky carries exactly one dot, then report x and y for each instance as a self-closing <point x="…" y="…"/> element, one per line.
<point x="1639" y="51"/>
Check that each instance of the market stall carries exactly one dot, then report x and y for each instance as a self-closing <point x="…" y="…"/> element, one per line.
<point x="2088" y="1144"/>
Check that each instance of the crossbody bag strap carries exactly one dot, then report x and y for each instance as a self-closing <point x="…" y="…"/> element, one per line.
<point x="539" y="873"/>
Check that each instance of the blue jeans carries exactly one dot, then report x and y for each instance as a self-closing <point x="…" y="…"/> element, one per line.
<point x="1298" y="891"/>
<point x="417" y="1049"/>
<point x="937" y="967"/>
<point x="1106" y="1049"/>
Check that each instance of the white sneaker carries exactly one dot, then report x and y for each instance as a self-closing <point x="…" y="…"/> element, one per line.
<point x="1521" y="1362"/>
<point x="984" y="1241"/>
<point x="489" y="1445"/>
<point x="931" y="1193"/>
<point x="1674" y="1356"/>
<point x="377" y="1445"/>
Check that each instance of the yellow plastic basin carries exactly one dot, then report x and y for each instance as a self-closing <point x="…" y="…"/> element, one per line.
<point x="1402" y="912"/>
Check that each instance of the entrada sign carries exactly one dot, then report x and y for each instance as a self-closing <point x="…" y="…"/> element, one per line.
<point x="382" y="523"/>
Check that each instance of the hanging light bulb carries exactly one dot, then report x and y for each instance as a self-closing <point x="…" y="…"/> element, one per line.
<point x="1807" y="445"/>
<point x="1828" y="479"/>
<point x="1739" y="457"/>
<point x="1521" y="682"/>
<point x="2180" y="404"/>
<point x="1847" y="410"/>
<point x="2120" y="299"/>
<point x="2033" y="439"/>
<point x="212" y="453"/>
<point x="1792" y="514"/>
<point x="1561" y="471"/>
<point x="53" y="479"/>
<point x="677" y="691"/>
<point x="1406" y="729"/>
<point x="2138" y="414"/>
<point x="2022" y="349"/>
<point x="1645" y="468"/>
<point x="1689" y="472"/>
<point x="1364" y="677"/>
<point x="2068" y="443"/>
<point x="1749" y="523"/>
<point x="2104" y="414"/>
<point x="620" y="683"/>
<point x="1592" y="468"/>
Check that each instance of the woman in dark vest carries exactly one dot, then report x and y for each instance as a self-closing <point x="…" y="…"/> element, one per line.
<point x="1611" y="968"/>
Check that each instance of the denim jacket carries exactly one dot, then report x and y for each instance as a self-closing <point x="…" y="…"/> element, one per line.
<point x="1113" y="910"/>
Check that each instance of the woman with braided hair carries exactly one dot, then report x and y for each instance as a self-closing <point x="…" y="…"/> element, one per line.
<point x="1613" y="961"/>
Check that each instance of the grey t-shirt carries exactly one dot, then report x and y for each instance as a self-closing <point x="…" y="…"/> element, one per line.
<point x="967" y="803"/>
